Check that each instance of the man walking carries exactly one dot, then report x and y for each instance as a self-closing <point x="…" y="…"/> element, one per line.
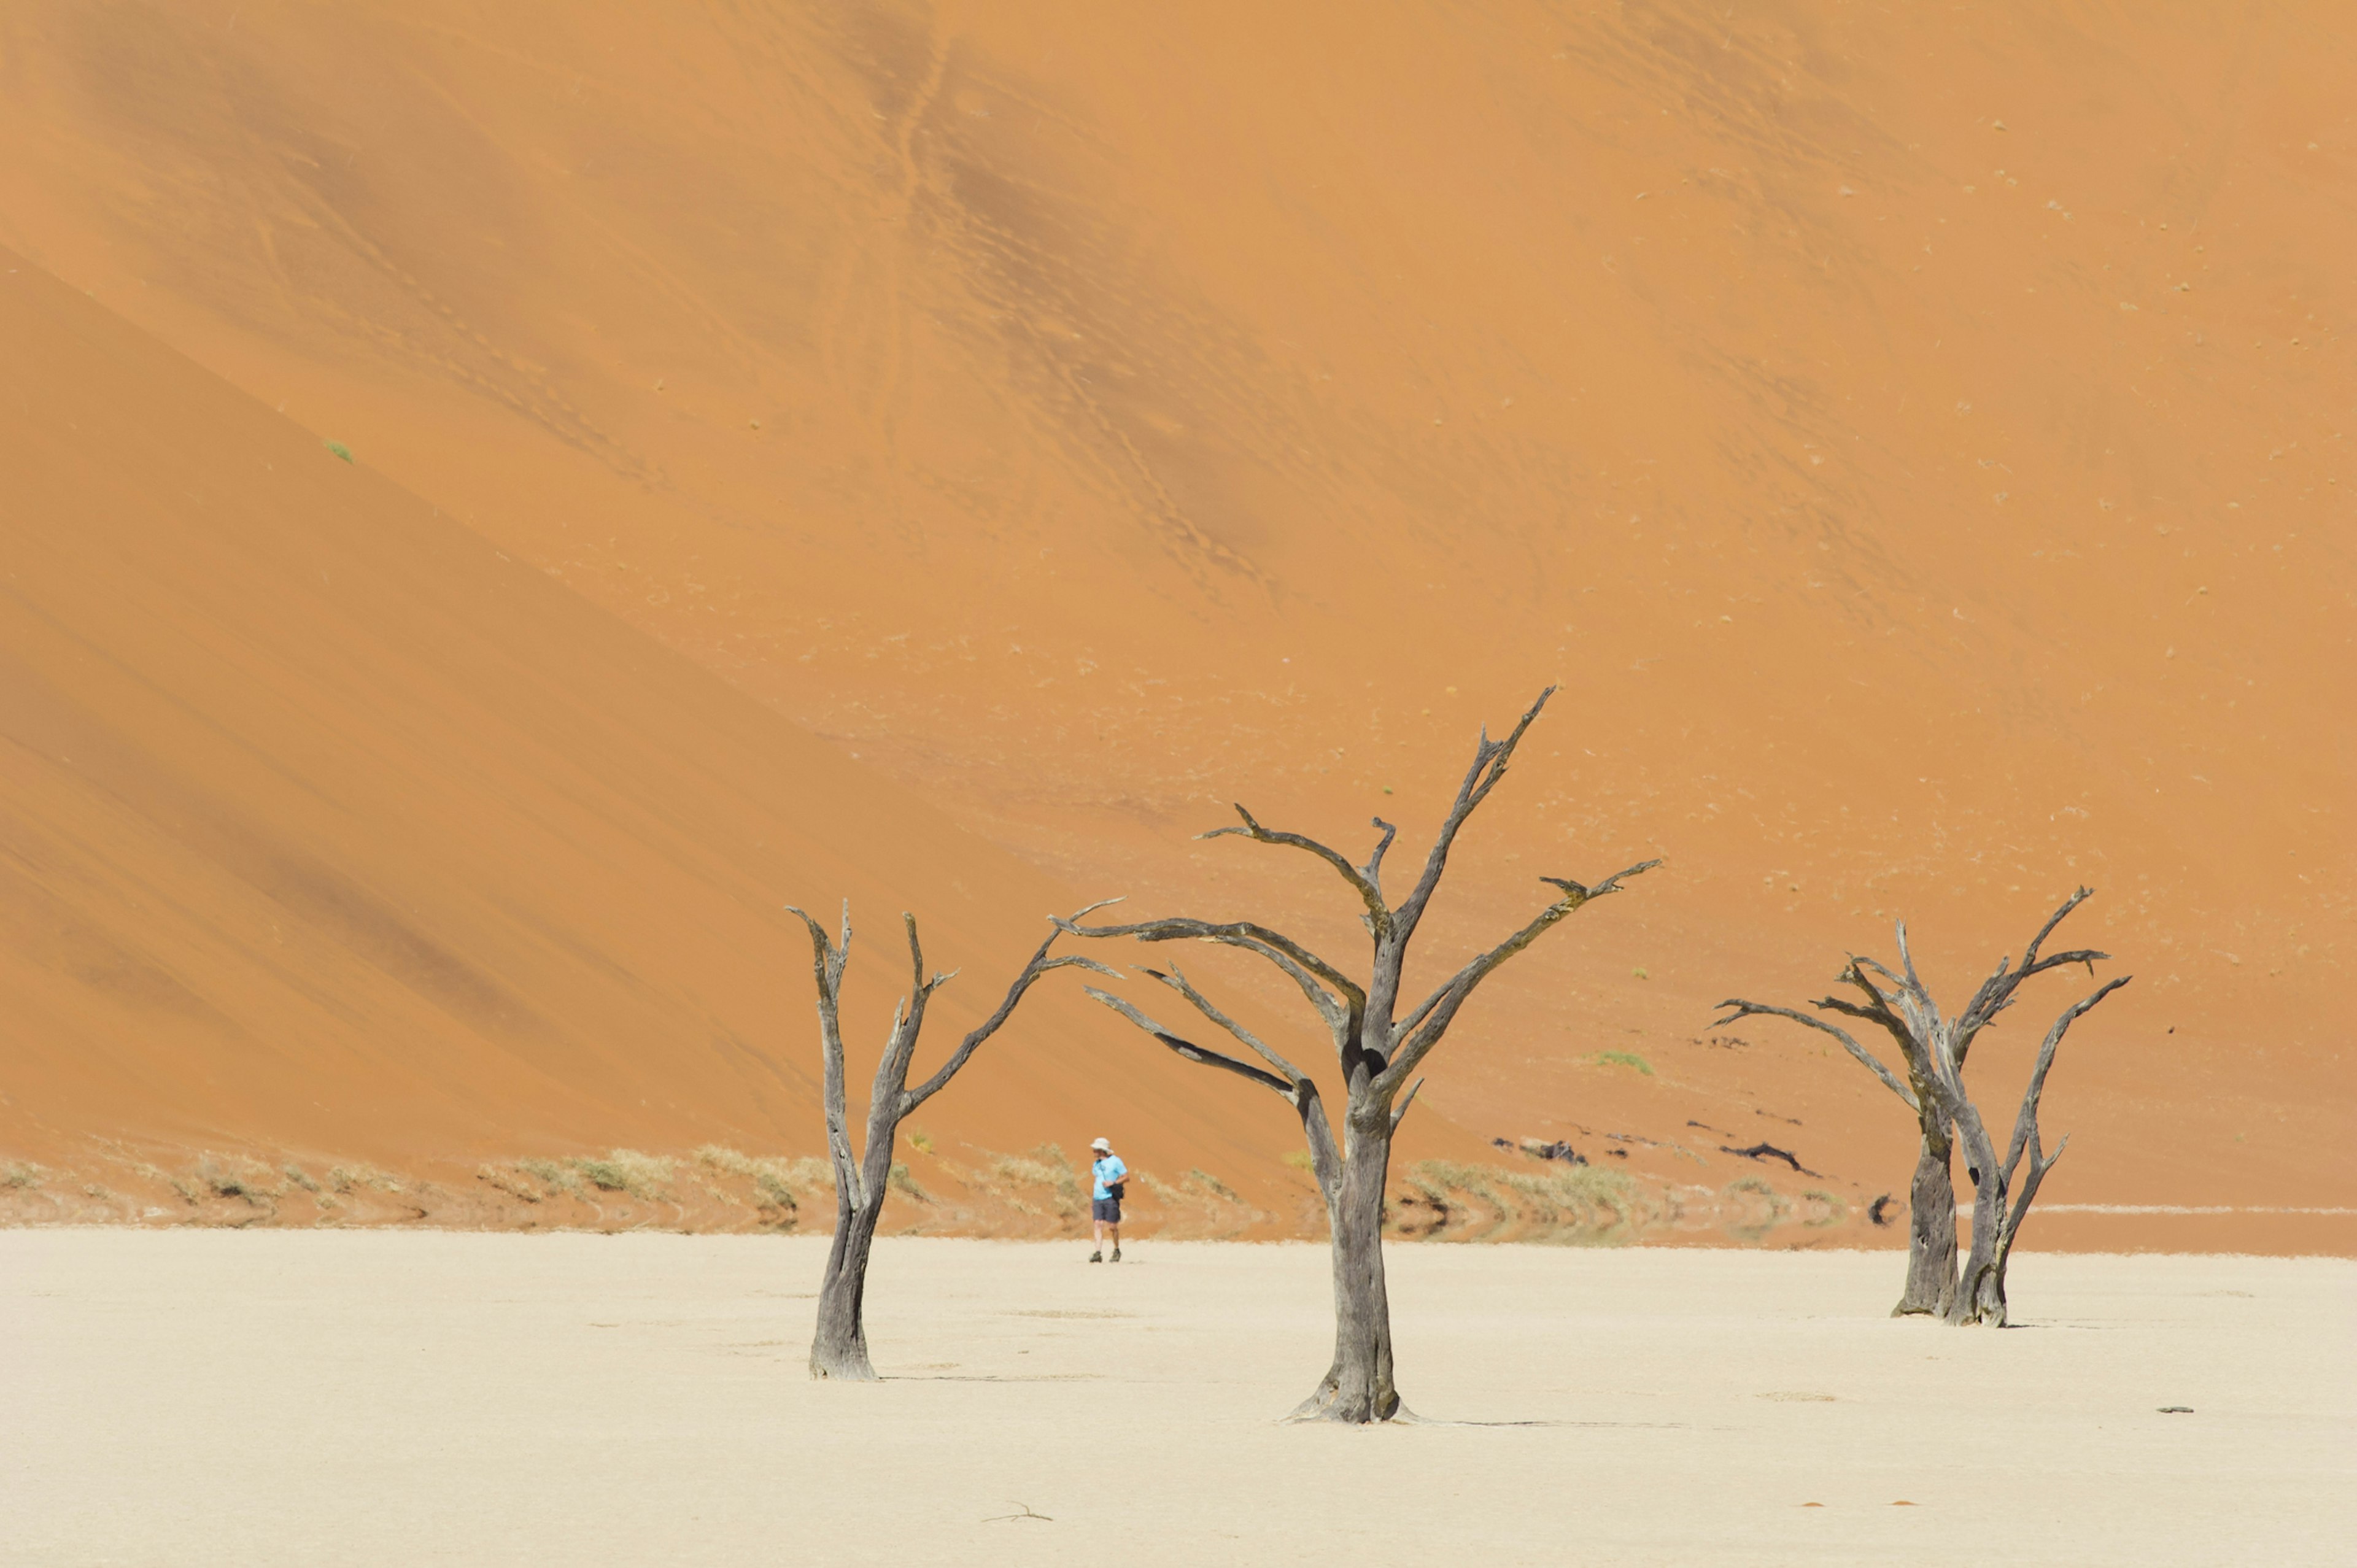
<point x="1104" y="1199"/>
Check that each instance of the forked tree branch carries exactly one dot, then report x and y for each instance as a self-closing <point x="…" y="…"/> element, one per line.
<point x="1490" y="760"/>
<point x="1400" y="1113"/>
<point x="1877" y="1013"/>
<point x="1361" y="882"/>
<point x="2025" y="1125"/>
<point x="1908" y="994"/>
<point x="1413" y="1038"/>
<point x="908" y="1025"/>
<point x="1997" y="993"/>
<point x="2030" y="963"/>
<point x="1041" y="964"/>
<point x="828" y="960"/>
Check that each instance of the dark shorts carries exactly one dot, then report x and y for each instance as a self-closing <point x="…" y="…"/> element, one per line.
<point x="1105" y="1208"/>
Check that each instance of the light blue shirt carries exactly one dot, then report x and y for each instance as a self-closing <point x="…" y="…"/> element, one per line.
<point x="1108" y="1169"/>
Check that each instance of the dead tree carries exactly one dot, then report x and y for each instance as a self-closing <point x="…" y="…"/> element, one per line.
<point x="1932" y="1197"/>
<point x="1378" y="1052"/>
<point x="1934" y="1049"/>
<point x="839" y="1349"/>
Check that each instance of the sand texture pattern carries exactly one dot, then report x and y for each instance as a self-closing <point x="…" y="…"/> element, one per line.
<point x="943" y="453"/>
<point x="466" y="1400"/>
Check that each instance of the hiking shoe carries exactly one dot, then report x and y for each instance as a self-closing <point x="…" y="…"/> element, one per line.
<point x="1116" y="1254"/>
<point x="1096" y="1257"/>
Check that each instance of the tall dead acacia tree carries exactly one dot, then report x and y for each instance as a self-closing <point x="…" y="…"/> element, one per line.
<point x="839" y="1349"/>
<point x="1934" y="1049"/>
<point x="1377" y="1050"/>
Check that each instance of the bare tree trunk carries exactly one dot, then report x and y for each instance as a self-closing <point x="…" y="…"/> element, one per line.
<point x="1358" y="1387"/>
<point x="839" y="1348"/>
<point x="1930" y="1231"/>
<point x="1980" y="1297"/>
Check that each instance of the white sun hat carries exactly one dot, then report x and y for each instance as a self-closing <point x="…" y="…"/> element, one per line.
<point x="1101" y="1143"/>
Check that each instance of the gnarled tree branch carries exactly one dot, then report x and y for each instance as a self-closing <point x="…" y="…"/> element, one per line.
<point x="1339" y="1006"/>
<point x="1867" y="1059"/>
<point x="1361" y="882"/>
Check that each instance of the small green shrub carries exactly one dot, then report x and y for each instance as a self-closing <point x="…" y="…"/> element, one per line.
<point x="1624" y="1059"/>
<point x="341" y="450"/>
<point x="920" y="1141"/>
<point x="1300" y="1160"/>
<point x="902" y="1182"/>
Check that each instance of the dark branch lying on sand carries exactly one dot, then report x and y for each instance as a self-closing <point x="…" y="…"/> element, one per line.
<point x="1768" y="1151"/>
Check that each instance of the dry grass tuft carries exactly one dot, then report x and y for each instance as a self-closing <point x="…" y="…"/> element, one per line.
<point x="513" y="1183"/>
<point x="627" y="1171"/>
<point x="351" y="1179"/>
<point x="1012" y="1179"/>
<point x="557" y="1177"/>
<point x="774" y="1180"/>
<point x="1572" y="1206"/>
<point x="1198" y="1177"/>
<point x="225" y="1181"/>
<point x="20" y="1174"/>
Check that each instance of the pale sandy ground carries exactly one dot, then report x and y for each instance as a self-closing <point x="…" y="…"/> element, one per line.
<point x="319" y="1398"/>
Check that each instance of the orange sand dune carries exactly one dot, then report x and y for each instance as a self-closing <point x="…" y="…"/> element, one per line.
<point x="1917" y="442"/>
<point x="333" y="829"/>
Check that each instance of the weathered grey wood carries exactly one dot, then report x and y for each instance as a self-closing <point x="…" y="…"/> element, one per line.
<point x="1377" y="1051"/>
<point x="839" y="1346"/>
<point x="1932" y="1196"/>
<point x="1980" y="1295"/>
<point x="1934" y="1049"/>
